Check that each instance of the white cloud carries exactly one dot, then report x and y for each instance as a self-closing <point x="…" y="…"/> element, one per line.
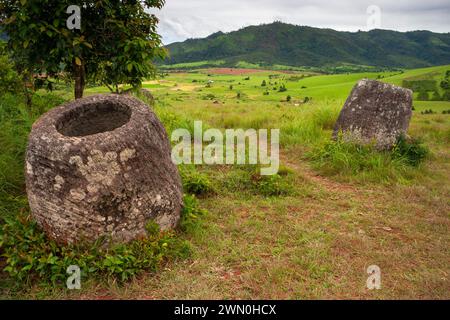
<point x="182" y="19"/>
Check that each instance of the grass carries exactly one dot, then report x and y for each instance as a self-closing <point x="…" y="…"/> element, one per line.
<point x="341" y="68"/>
<point x="193" y="65"/>
<point x="366" y="164"/>
<point x="309" y="232"/>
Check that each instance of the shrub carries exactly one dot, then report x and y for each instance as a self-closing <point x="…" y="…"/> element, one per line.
<point x="209" y="96"/>
<point x="15" y="124"/>
<point x="195" y="182"/>
<point x="9" y="79"/>
<point x="30" y="256"/>
<point x="247" y="179"/>
<point x="282" y="88"/>
<point x="410" y="150"/>
<point x="420" y="85"/>
<point x="284" y="171"/>
<point x="446" y="96"/>
<point x="274" y="185"/>
<point x="364" y="162"/>
<point x="191" y="215"/>
<point x="423" y="96"/>
<point x="436" y="96"/>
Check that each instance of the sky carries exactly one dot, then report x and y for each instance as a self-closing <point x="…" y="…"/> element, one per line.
<point x="183" y="19"/>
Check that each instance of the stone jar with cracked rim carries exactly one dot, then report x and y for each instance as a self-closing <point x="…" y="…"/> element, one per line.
<point x="101" y="167"/>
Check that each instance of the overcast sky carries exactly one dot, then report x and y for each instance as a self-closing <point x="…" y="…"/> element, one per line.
<point x="182" y="19"/>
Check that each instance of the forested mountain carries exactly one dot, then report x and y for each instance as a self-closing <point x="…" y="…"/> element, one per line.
<point x="286" y="44"/>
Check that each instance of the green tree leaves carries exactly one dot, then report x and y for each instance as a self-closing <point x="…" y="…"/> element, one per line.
<point x="115" y="45"/>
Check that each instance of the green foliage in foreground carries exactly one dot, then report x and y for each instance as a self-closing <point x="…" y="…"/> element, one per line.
<point x="190" y="221"/>
<point x="27" y="256"/>
<point x="243" y="178"/>
<point x="247" y="180"/>
<point x="15" y="124"/>
<point x="195" y="182"/>
<point x="412" y="151"/>
<point x="31" y="256"/>
<point x="9" y="79"/>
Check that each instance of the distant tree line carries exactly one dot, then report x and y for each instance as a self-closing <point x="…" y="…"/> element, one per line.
<point x="428" y="89"/>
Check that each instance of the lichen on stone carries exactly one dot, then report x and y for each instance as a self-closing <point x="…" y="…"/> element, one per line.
<point x="101" y="168"/>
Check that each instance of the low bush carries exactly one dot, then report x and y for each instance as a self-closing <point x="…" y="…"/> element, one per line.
<point x="274" y="185"/>
<point x="282" y="88"/>
<point x="248" y="180"/>
<point x="423" y="96"/>
<point x="191" y="217"/>
<point x="9" y="79"/>
<point x="209" y="96"/>
<point x="412" y="151"/>
<point x="29" y="256"/>
<point x="195" y="182"/>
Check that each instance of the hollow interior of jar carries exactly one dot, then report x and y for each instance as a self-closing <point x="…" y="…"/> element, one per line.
<point x="93" y="118"/>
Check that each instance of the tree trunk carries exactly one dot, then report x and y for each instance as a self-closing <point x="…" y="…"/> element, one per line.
<point x="79" y="80"/>
<point x="28" y="88"/>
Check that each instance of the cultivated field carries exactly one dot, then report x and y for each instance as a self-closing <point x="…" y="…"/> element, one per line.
<point x="309" y="232"/>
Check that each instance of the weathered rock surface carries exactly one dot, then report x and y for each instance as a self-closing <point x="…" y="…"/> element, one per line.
<point x="375" y="112"/>
<point x="147" y="94"/>
<point x="144" y="92"/>
<point x="101" y="166"/>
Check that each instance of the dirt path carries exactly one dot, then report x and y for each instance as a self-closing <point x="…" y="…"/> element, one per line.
<point x="325" y="183"/>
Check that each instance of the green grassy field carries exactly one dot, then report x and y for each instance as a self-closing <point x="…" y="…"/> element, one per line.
<point x="309" y="232"/>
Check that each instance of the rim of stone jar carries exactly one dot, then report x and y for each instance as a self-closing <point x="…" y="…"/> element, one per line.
<point x="49" y="121"/>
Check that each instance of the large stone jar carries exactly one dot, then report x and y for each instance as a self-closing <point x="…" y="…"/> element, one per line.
<point x="101" y="167"/>
<point x="375" y="113"/>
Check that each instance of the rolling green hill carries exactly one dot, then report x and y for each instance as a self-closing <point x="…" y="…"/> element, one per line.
<point x="290" y="45"/>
